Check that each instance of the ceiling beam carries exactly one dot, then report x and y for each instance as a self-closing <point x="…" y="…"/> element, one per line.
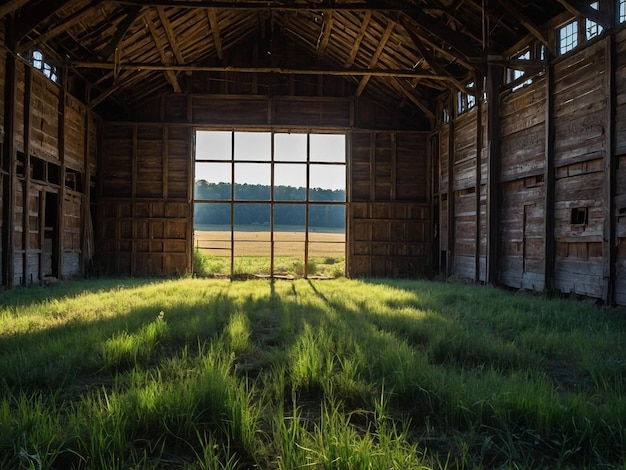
<point x="399" y="86"/>
<point x="357" y="42"/>
<point x="38" y="15"/>
<point x="61" y="26"/>
<point x="432" y="61"/>
<point x="458" y="41"/>
<point x="169" y="31"/>
<point x="327" y="29"/>
<point x="581" y="8"/>
<point x="169" y="74"/>
<point x="530" y="26"/>
<point x="374" y="60"/>
<point x="11" y="6"/>
<point x="122" y="28"/>
<point x="269" y="5"/>
<point x="350" y="72"/>
<point x="215" y="31"/>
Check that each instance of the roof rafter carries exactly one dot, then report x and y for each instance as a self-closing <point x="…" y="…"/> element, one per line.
<point x="39" y="15"/>
<point x="532" y="28"/>
<point x="122" y="28"/>
<point x="169" y="31"/>
<point x="578" y="7"/>
<point x="327" y="29"/>
<point x="169" y="74"/>
<point x="398" y="85"/>
<point x="66" y="23"/>
<point x="357" y="43"/>
<point x="215" y="31"/>
<point x="379" y="50"/>
<point x="277" y="5"/>
<point x="11" y="6"/>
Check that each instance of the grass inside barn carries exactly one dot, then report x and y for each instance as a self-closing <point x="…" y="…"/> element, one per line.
<point x="196" y="373"/>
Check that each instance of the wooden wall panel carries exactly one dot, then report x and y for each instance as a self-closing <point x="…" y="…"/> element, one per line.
<point x="389" y="236"/>
<point x="75" y="134"/>
<point x="44" y="132"/>
<point x="464" y="194"/>
<point x="620" y="183"/>
<point x="146" y="232"/>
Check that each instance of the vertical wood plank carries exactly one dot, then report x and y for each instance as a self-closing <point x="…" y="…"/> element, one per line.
<point x="610" y="172"/>
<point x="28" y="88"/>
<point x="550" y="183"/>
<point x="451" y="205"/>
<point x="478" y="80"/>
<point x="62" y="191"/>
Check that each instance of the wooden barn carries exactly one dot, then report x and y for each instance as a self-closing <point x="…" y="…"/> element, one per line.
<point x="482" y="139"/>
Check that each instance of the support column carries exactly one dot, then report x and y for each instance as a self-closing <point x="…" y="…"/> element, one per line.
<point x="478" y="80"/>
<point x="550" y="184"/>
<point x="494" y="82"/>
<point x="609" y="248"/>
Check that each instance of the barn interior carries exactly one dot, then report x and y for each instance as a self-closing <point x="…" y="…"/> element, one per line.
<point x="483" y="139"/>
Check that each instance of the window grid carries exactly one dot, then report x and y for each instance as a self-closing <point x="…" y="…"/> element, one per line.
<point x="568" y="37"/>
<point x="593" y="29"/>
<point x="622" y="11"/>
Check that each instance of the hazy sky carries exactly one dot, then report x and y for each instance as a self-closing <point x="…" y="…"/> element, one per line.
<point x="290" y="155"/>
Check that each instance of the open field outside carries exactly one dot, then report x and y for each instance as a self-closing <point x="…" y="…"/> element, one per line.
<point x="252" y="251"/>
<point x="342" y="374"/>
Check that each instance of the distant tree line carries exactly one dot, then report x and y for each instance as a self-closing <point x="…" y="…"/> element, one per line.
<point x="259" y="214"/>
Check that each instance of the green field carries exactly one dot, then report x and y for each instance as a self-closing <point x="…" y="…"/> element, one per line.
<point x="342" y="374"/>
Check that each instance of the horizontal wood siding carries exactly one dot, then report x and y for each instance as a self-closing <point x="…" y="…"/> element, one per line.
<point x="580" y="102"/>
<point x="522" y="204"/>
<point x="389" y="225"/>
<point x="145" y="214"/>
<point x="464" y="185"/>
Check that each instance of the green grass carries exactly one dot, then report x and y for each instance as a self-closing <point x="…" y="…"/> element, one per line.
<point x="213" y="374"/>
<point x="206" y="265"/>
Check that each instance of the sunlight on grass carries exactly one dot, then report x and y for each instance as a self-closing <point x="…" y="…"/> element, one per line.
<point x="209" y="373"/>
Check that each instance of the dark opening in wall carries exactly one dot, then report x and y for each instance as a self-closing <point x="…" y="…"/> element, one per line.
<point x="579" y="216"/>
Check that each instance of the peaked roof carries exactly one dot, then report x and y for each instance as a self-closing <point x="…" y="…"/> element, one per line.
<point x="398" y="52"/>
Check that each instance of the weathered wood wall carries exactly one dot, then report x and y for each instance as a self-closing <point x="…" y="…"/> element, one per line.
<point x="560" y="159"/>
<point x="144" y="208"/>
<point x="389" y="213"/>
<point x="146" y="192"/>
<point x="4" y="163"/>
<point x="48" y="160"/>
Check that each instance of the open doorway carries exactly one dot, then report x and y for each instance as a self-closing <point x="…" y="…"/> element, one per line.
<point x="270" y="204"/>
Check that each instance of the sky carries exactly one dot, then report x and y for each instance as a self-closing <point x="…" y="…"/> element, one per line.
<point x="290" y="156"/>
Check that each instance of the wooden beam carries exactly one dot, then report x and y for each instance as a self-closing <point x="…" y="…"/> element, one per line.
<point x="494" y="82"/>
<point x="409" y="94"/>
<point x="11" y="6"/>
<point x="60" y="27"/>
<point x="531" y="27"/>
<point x="583" y="8"/>
<point x="550" y="185"/>
<point x="327" y="29"/>
<point x="171" y="36"/>
<point x="376" y="56"/>
<point x="433" y="63"/>
<point x="169" y="74"/>
<point x="357" y="43"/>
<point x="269" y="5"/>
<point x="478" y="79"/>
<point x="460" y="42"/>
<point x="122" y="28"/>
<point x="611" y="164"/>
<point x="38" y="15"/>
<point x="278" y="70"/>
<point x="215" y="31"/>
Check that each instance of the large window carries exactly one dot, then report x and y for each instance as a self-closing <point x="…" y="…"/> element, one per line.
<point x="270" y="203"/>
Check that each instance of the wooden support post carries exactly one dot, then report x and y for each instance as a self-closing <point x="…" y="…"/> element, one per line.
<point x="86" y="223"/>
<point x="609" y="248"/>
<point x="62" y="129"/>
<point x="8" y="227"/>
<point x="478" y="80"/>
<point x="494" y="81"/>
<point x="451" y="208"/>
<point x="28" y="89"/>
<point x="550" y="184"/>
<point x="133" y="205"/>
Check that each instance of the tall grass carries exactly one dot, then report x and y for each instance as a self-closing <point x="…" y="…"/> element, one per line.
<point x="207" y="373"/>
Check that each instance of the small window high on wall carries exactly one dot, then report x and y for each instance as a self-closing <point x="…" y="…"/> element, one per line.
<point x="39" y="62"/>
<point x="568" y="37"/>
<point x="622" y="11"/>
<point x="592" y="29"/>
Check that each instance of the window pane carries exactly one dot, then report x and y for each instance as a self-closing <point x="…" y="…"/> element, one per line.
<point x="568" y="37"/>
<point x="253" y="146"/>
<point x="213" y="181"/>
<point x="328" y="148"/>
<point x="290" y="147"/>
<point x="213" y="145"/>
<point x="290" y="218"/>
<point x="250" y="217"/>
<point x="327" y="183"/>
<point x="324" y="218"/>
<point x="213" y="217"/>
<point x="290" y="182"/>
<point x="252" y="181"/>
